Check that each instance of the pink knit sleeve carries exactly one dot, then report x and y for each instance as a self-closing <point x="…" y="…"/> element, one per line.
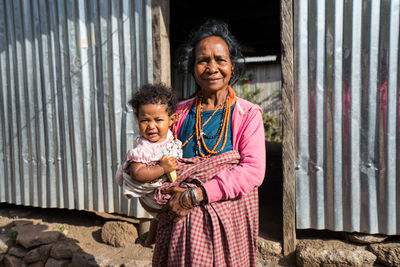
<point x="239" y="181"/>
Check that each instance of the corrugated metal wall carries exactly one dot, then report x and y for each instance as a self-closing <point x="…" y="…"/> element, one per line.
<point x="347" y="108"/>
<point x="67" y="69"/>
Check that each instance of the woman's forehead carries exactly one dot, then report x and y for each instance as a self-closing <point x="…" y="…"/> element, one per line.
<point x="212" y="43"/>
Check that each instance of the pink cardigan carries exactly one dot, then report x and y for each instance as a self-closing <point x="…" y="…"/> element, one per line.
<point x="247" y="137"/>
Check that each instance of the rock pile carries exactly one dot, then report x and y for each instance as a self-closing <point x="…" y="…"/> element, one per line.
<point x="32" y="245"/>
<point x="388" y="253"/>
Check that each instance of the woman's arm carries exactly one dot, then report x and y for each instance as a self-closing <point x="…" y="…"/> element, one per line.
<point x="143" y="173"/>
<point x="239" y="181"/>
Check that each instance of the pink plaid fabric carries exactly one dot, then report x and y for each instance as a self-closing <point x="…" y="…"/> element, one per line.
<point x="222" y="233"/>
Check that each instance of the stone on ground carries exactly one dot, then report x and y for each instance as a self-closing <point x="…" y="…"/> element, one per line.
<point x="38" y="254"/>
<point x="34" y="235"/>
<point x="36" y="264"/>
<point x="87" y="260"/>
<point x="118" y="234"/>
<point x="269" y="251"/>
<point x="17" y="251"/>
<point x="388" y="254"/>
<point x="11" y="261"/>
<point x="3" y="244"/>
<point x="64" y="249"/>
<point x="360" y="238"/>
<point x="333" y="254"/>
<point x="51" y="262"/>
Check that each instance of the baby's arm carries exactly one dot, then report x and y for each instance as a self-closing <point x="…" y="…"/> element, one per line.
<point x="143" y="173"/>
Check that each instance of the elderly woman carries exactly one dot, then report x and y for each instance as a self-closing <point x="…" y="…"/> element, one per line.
<point x="211" y="217"/>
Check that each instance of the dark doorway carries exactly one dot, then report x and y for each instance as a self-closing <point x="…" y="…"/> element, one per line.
<point x="256" y="24"/>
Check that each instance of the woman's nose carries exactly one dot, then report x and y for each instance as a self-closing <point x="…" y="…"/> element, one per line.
<point x="212" y="66"/>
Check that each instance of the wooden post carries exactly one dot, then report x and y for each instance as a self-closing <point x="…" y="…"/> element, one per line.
<point x="161" y="49"/>
<point x="288" y="145"/>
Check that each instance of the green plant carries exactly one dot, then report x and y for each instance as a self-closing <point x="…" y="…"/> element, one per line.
<point x="12" y="235"/>
<point x="246" y="92"/>
<point x="60" y="228"/>
<point x="273" y="133"/>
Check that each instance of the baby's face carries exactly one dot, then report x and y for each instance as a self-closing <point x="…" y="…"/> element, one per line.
<point x="154" y="122"/>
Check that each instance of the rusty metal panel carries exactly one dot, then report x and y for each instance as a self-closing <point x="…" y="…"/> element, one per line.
<point x="347" y="114"/>
<point x="67" y="69"/>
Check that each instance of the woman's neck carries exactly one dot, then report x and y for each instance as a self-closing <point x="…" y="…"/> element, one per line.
<point x="213" y="100"/>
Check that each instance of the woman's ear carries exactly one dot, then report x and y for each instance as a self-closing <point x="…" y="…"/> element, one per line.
<point x="172" y="119"/>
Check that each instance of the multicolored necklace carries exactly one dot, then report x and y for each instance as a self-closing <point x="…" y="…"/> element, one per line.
<point x="200" y="135"/>
<point x="223" y="129"/>
<point x="204" y="124"/>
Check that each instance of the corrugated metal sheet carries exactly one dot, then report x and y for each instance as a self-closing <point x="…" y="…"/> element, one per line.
<point x="347" y="108"/>
<point x="67" y="69"/>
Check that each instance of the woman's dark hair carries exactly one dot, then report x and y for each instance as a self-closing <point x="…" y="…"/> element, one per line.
<point x="212" y="27"/>
<point x="154" y="94"/>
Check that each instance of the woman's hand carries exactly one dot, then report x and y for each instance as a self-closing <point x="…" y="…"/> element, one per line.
<point x="174" y="209"/>
<point x="177" y="207"/>
<point x="169" y="164"/>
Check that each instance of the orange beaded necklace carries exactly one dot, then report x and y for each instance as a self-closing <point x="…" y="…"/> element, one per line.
<point x="204" y="124"/>
<point x="223" y="134"/>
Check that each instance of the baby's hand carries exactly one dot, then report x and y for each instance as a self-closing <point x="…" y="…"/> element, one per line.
<point x="169" y="164"/>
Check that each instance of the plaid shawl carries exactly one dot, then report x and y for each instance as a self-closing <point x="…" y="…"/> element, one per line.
<point x="222" y="233"/>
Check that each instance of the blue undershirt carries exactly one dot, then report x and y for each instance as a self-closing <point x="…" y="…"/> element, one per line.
<point x="210" y="129"/>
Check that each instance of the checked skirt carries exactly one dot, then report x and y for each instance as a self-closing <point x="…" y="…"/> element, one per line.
<point x="222" y="233"/>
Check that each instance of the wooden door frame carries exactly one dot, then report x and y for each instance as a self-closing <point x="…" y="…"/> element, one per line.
<point x="162" y="73"/>
<point x="288" y="144"/>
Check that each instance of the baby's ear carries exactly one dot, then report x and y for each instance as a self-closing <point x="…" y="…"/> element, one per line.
<point x="172" y="119"/>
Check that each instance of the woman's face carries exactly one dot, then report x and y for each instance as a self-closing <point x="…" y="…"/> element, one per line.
<point x="212" y="64"/>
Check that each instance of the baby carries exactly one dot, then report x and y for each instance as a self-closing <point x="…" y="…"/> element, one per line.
<point x="155" y="151"/>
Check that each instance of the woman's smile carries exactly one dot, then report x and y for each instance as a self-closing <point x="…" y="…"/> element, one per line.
<point x="215" y="80"/>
